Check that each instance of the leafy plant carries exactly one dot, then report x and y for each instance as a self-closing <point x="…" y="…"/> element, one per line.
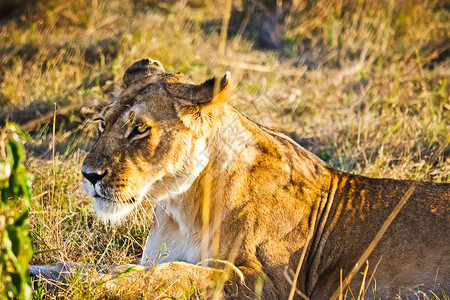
<point x="15" y="246"/>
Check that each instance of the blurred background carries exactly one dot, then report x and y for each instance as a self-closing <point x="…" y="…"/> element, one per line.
<point x="362" y="84"/>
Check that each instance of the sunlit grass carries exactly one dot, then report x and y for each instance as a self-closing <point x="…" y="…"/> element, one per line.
<point x="374" y="100"/>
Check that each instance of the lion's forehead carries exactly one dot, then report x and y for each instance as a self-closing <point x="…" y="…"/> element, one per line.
<point x="149" y="105"/>
<point x="149" y="96"/>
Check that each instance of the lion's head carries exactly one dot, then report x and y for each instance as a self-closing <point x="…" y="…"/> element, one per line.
<point x="152" y="139"/>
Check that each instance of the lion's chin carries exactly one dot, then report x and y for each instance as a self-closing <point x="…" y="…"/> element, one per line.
<point x="112" y="212"/>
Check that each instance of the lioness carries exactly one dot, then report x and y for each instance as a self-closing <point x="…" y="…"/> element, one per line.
<point x="228" y="188"/>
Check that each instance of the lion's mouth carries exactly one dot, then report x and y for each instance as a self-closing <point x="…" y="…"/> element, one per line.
<point x="116" y="201"/>
<point x="113" y="210"/>
<point x="130" y="201"/>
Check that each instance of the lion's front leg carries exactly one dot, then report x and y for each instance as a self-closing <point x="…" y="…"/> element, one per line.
<point x="173" y="279"/>
<point x="60" y="274"/>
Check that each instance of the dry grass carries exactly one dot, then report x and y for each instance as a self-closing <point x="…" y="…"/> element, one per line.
<point x="375" y="99"/>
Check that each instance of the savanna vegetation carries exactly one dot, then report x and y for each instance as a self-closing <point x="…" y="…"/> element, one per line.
<point x="362" y="84"/>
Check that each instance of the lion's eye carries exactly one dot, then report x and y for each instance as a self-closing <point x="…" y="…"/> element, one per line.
<point x="101" y="124"/>
<point x="139" y="129"/>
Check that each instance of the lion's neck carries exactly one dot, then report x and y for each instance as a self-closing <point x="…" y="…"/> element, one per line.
<point x="231" y="141"/>
<point x="229" y="145"/>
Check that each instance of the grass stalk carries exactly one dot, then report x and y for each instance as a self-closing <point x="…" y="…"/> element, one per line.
<point x="53" y="155"/>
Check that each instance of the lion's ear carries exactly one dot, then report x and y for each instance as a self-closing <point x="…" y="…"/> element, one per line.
<point x="211" y="91"/>
<point x="142" y="69"/>
<point x="197" y="105"/>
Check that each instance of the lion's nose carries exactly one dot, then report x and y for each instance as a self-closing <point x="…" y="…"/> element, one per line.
<point x="94" y="177"/>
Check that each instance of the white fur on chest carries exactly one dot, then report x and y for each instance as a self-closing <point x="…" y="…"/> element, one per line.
<point x="167" y="242"/>
<point x="174" y="234"/>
